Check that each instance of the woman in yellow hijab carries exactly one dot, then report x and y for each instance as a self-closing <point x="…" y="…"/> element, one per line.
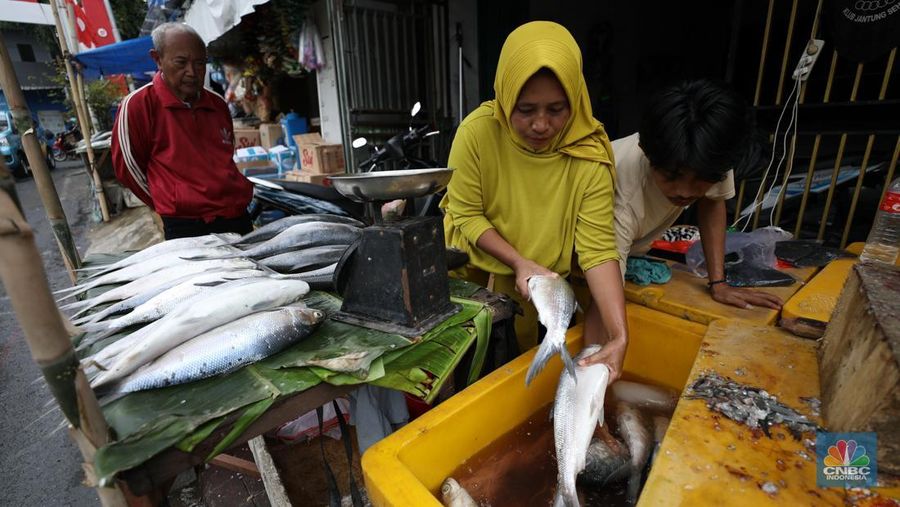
<point x="533" y="183"/>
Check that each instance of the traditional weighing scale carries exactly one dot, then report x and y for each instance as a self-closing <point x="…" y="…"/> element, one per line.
<point x="394" y="278"/>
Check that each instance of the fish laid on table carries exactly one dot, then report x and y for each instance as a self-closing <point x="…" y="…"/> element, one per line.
<point x="163" y="303"/>
<point x="454" y="495"/>
<point x="322" y="278"/>
<point x="163" y="248"/>
<point x="653" y="398"/>
<point x="315" y="257"/>
<point x="272" y="229"/>
<point x="577" y="410"/>
<point x="142" y="269"/>
<point x="607" y="460"/>
<point x="162" y="278"/>
<point x="225" y="349"/>
<point x="221" y="305"/>
<point x="638" y="440"/>
<point x="297" y="237"/>
<point x="205" y="278"/>
<point x="555" y="303"/>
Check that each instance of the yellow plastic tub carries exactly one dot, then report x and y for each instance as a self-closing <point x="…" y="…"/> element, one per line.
<point x="407" y="468"/>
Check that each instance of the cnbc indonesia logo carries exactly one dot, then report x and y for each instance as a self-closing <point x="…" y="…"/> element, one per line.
<point x="846" y="461"/>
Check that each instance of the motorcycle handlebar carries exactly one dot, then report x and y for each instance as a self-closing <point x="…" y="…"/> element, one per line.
<point x="396" y="147"/>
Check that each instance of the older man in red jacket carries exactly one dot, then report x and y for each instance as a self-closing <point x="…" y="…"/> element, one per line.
<point x="173" y="143"/>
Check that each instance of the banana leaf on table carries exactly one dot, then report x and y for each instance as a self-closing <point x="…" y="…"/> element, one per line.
<point x="146" y="423"/>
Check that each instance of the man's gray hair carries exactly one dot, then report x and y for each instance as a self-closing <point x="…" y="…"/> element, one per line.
<point x="159" y="33"/>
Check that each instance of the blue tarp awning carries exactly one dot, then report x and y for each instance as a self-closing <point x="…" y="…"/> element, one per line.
<point x="126" y="57"/>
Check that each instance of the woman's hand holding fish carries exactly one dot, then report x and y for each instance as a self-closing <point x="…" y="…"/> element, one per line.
<point x="525" y="269"/>
<point x="612" y="355"/>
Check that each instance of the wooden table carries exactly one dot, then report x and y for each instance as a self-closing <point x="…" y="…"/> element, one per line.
<point x="149" y="482"/>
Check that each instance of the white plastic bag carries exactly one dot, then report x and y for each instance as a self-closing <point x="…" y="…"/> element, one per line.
<point x="309" y="47"/>
<point x="757" y="248"/>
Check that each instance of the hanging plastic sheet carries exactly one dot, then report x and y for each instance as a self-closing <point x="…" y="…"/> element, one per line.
<point x="311" y="54"/>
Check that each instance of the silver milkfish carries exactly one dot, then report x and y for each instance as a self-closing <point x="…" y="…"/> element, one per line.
<point x="638" y="439"/>
<point x="157" y="279"/>
<point x="137" y="271"/>
<point x="164" y="247"/>
<point x="660" y="426"/>
<point x="322" y="278"/>
<point x="163" y="303"/>
<point x="139" y="299"/>
<point x="298" y="237"/>
<point x="454" y="495"/>
<point x="221" y="305"/>
<point x="577" y="410"/>
<point x="309" y="258"/>
<point x="555" y="302"/>
<point x="653" y="398"/>
<point x="272" y="229"/>
<point x="606" y="462"/>
<point x="225" y="348"/>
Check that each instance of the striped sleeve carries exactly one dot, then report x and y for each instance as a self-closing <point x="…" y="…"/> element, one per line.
<point x="131" y="145"/>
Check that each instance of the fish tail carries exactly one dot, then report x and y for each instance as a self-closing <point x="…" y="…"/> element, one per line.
<point x="544" y="353"/>
<point x="566" y="496"/>
<point x="568" y="362"/>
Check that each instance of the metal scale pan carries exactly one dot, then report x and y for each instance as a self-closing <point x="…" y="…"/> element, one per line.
<point x="395" y="277"/>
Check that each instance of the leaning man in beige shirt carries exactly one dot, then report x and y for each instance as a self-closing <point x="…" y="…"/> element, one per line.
<point x="691" y="135"/>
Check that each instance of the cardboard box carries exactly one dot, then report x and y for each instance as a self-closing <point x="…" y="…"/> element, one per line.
<point x="283" y="158"/>
<point x="246" y="137"/>
<point x="304" y="177"/>
<point x="270" y="135"/>
<point x="317" y="156"/>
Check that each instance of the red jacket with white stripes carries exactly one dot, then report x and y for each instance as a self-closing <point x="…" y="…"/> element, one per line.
<point x="176" y="157"/>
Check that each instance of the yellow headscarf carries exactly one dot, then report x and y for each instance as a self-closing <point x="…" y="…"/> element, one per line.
<point x="529" y="48"/>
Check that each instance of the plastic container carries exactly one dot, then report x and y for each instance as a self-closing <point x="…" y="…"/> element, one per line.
<point x="883" y="243"/>
<point x="293" y="124"/>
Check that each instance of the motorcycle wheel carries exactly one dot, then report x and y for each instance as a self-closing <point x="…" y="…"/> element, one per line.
<point x="59" y="155"/>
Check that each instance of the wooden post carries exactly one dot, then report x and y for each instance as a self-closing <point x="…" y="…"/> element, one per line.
<point x="25" y="281"/>
<point x="81" y="113"/>
<point x="38" y="162"/>
<point x="859" y="361"/>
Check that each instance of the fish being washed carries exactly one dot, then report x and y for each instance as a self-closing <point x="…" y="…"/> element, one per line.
<point x="607" y="460"/>
<point x="654" y="398"/>
<point x="576" y="412"/>
<point x="555" y="302"/>
<point x="165" y="247"/>
<point x="225" y="348"/>
<point x="637" y="437"/>
<point x="453" y="495"/>
<point x="272" y="229"/>
<point x="298" y="237"/>
<point x="309" y="258"/>
<point x="221" y="305"/>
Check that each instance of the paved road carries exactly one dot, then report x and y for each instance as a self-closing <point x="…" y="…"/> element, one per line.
<point x="39" y="467"/>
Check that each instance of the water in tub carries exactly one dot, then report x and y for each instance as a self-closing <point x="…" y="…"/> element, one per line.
<point x="519" y="468"/>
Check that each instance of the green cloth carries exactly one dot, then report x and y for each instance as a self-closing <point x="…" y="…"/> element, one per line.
<point x="644" y="271"/>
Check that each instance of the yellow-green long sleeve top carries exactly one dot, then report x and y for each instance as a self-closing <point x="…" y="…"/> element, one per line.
<point x="546" y="205"/>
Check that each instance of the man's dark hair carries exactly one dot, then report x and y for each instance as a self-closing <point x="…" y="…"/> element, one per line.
<point x="698" y="127"/>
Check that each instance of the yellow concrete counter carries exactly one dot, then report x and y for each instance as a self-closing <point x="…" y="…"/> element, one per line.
<point x="708" y="459"/>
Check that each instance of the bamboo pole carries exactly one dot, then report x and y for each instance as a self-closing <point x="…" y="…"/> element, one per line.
<point x="889" y="67"/>
<point x="80" y="110"/>
<point x="38" y="162"/>
<point x="762" y="55"/>
<point x="890" y="174"/>
<point x="837" y="162"/>
<point x="787" y="51"/>
<point x="25" y="281"/>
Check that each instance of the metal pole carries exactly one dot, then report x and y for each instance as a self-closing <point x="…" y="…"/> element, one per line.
<point x="462" y="100"/>
<point x="25" y="281"/>
<point x="80" y="110"/>
<point x="38" y="162"/>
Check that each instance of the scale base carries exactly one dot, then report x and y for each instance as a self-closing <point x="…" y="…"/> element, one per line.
<point x="391" y="327"/>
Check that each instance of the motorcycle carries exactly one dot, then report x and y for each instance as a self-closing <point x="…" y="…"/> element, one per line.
<point x="63" y="147"/>
<point x="272" y="200"/>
